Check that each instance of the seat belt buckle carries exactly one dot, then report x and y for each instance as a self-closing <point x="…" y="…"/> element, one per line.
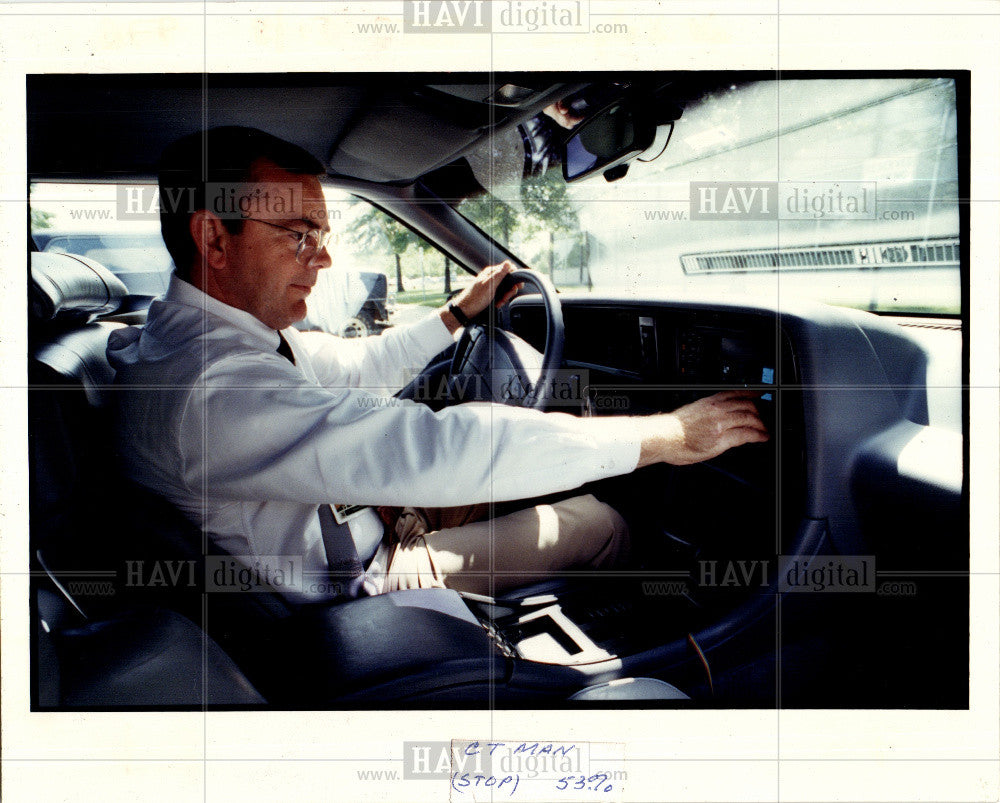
<point x="344" y="513"/>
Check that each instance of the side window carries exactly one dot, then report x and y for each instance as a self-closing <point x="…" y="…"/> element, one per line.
<point x="88" y="220"/>
<point x="383" y="274"/>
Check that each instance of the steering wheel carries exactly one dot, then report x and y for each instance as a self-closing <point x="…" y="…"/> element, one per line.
<point x="492" y="364"/>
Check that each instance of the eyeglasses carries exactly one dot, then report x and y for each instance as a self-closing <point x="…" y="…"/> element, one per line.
<point x="310" y="242"/>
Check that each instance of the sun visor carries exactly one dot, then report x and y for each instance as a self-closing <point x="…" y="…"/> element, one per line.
<point x="417" y="141"/>
<point x="405" y="135"/>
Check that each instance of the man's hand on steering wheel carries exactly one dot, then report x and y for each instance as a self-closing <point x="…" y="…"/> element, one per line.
<point x="478" y="295"/>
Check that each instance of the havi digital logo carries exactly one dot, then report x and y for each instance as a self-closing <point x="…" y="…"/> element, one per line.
<point x="496" y="16"/>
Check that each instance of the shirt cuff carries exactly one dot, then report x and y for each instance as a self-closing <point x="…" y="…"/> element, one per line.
<point x="431" y="331"/>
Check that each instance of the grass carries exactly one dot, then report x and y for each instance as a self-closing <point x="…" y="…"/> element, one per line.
<point x="419" y="297"/>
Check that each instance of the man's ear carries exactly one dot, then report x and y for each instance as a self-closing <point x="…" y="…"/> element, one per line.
<point x="210" y="239"/>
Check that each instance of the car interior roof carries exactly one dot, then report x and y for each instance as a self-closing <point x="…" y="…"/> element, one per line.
<point x="382" y="128"/>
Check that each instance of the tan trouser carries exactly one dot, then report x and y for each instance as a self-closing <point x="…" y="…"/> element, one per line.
<point x="460" y="549"/>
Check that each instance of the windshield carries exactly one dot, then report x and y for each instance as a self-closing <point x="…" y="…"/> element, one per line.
<point x="843" y="191"/>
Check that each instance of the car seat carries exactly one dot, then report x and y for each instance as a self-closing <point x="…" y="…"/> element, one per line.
<point x="94" y="644"/>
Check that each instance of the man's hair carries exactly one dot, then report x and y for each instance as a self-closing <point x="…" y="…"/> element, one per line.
<point x="219" y="156"/>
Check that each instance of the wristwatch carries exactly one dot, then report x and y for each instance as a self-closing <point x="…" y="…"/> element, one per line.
<point x="460" y="316"/>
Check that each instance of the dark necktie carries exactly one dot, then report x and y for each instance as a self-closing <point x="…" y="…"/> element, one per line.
<point x="284" y="349"/>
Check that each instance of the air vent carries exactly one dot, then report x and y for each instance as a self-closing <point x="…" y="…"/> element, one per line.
<point x="857" y="256"/>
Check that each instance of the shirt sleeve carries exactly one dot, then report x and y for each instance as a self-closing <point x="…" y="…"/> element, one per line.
<point x="254" y="429"/>
<point x="381" y="364"/>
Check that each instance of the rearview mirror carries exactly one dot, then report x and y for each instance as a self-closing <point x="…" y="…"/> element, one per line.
<point x="606" y="141"/>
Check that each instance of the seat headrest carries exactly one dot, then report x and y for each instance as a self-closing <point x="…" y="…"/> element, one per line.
<point x="71" y="286"/>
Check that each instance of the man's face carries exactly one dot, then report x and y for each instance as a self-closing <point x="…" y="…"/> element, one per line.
<point x="261" y="274"/>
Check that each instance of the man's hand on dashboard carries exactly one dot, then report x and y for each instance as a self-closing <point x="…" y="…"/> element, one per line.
<point x="478" y="295"/>
<point x="701" y="430"/>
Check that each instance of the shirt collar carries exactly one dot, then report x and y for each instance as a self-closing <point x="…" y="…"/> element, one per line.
<point x="182" y="292"/>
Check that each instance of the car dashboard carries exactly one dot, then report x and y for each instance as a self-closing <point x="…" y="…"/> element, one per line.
<point x="634" y="358"/>
<point x="835" y="384"/>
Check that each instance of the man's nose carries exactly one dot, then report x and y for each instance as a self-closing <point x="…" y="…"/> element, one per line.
<point x="322" y="259"/>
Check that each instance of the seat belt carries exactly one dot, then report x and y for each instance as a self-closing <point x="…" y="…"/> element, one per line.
<point x="346" y="569"/>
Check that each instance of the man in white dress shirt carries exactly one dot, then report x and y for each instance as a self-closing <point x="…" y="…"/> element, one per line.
<point x="249" y="426"/>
